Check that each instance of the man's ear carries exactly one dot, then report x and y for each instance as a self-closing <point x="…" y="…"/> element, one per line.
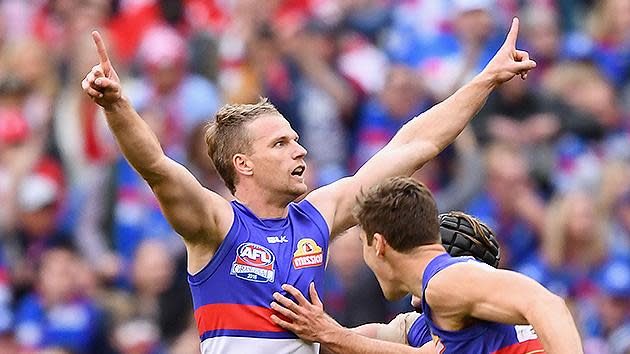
<point x="380" y="244"/>
<point x="243" y="164"/>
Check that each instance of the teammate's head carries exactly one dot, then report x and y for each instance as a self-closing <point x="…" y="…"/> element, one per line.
<point x="246" y="135"/>
<point x="396" y="217"/>
<point x="465" y="235"/>
<point x="402" y="210"/>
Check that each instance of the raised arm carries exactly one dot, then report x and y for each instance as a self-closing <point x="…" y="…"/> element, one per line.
<point x="200" y="216"/>
<point x="520" y="300"/>
<point x="422" y="138"/>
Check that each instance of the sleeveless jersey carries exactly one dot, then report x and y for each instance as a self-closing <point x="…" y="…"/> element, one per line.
<point x="483" y="337"/>
<point x="233" y="292"/>
<point x="419" y="333"/>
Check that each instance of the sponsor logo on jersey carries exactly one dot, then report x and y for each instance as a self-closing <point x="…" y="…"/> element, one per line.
<point x="277" y="239"/>
<point x="439" y="346"/>
<point x="308" y="254"/>
<point x="254" y="263"/>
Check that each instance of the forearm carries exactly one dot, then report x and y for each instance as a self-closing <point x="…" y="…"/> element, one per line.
<point x="135" y="138"/>
<point x="416" y="143"/>
<point x="369" y="330"/>
<point x="555" y="327"/>
<point x="441" y="124"/>
<point x="345" y="341"/>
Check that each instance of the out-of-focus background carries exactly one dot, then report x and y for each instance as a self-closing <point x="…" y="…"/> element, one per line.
<point x="89" y="265"/>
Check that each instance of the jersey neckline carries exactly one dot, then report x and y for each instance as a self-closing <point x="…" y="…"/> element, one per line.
<point x="267" y="224"/>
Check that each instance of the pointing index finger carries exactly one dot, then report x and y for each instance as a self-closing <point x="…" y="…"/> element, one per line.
<point x="102" y="53"/>
<point x="513" y="34"/>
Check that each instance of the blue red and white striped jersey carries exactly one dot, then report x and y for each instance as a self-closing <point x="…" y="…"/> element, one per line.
<point x="233" y="292"/>
<point x="481" y="338"/>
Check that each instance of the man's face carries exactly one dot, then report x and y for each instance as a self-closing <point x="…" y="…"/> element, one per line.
<point x="277" y="157"/>
<point x="474" y="26"/>
<point x="39" y="223"/>
<point x="383" y="271"/>
<point x="402" y="92"/>
<point x="166" y="77"/>
<point x="57" y="280"/>
<point x="152" y="255"/>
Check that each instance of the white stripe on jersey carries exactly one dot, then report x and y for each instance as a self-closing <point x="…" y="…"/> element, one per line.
<point x="240" y="345"/>
<point x="525" y="333"/>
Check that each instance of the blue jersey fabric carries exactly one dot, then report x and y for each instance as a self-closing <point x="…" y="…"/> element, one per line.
<point x="6" y="298"/>
<point x="482" y="337"/>
<point x="419" y="333"/>
<point x="232" y="293"/>
<point x="72" y="325"/>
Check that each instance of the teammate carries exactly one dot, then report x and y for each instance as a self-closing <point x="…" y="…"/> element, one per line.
<point x="240" y="252"/>
<point x="461" y="235"/>
<point x="465" y="302"/>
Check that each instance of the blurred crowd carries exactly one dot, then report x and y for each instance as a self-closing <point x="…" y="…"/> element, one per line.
<point x="88" y="264"/>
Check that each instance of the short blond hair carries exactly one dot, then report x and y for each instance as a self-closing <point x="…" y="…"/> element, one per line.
<point x="226" y="136"/>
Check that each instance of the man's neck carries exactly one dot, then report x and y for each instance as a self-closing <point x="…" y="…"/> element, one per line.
<point x="263" y="205"/>
<point x="415" y="263"/>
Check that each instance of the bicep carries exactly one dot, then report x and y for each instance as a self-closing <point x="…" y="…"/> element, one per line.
<point x="510" y="305"/>
<point x="193" y="211"/>
<point x="476" y="294"/>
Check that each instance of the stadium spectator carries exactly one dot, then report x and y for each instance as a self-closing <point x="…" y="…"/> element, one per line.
<point x="350" y="289"/>
<point x="510" y="203"/>
<point x="606" y="323"/>
<point x="58" y="315"/>
<point x="573" y="246"/>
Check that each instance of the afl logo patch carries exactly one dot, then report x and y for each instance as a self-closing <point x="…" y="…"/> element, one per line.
<point x="254" y="263"/>
<point x="308" y="254"/>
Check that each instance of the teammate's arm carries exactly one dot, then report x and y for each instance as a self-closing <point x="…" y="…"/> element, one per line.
<point x="346" y="341"/>
<point x="497" y="295"/>
<point x="311" y="323"/>
<point x="423" y="137"/>
<point x="395" y="331"/>
<point x="194" y="212"/>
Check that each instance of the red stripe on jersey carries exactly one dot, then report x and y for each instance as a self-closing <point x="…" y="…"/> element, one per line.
<point x="234" y="316"/>
<point x="4" y="276"/>
<point x="532" y="346"/>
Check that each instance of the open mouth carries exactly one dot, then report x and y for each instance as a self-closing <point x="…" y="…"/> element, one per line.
<point x="298" y="171"/>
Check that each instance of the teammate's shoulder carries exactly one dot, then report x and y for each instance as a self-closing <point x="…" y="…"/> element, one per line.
<point x="459" y="272"/>
<point x="462" y="267"/>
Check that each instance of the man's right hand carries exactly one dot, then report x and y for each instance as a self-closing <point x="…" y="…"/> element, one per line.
<point x="102" y="83"/>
